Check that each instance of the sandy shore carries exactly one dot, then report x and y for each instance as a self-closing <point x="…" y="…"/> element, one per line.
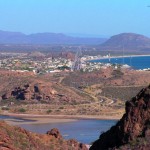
<point x="37" y="121"/>
<point x="119" y="57"/>
<point x="42" y="119"/>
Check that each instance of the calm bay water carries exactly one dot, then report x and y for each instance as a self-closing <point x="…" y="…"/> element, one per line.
<point x="138" y="62"/>
<point x="85" y="131"/>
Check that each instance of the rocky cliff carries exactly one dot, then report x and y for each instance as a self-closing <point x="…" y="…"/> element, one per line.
<point x="16" y="138"/>
<point x="133" y="129"/>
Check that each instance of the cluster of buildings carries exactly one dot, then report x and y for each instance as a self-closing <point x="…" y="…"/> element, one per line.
<point x="23" y="62"/>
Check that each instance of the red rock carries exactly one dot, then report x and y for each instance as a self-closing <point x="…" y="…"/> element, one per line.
<point x="17" y="138"/>
<point x="135" y="123"/>
<point x="54" y="132"/>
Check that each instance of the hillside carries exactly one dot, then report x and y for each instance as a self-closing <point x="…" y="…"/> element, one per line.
<point x="7" y="37"/>
<point x="16" y="138"/>
<point x="127" y="41"/>
<point x="33" y="89"/>
<point x="75" y="93"/>
<point x="133" y="129"/>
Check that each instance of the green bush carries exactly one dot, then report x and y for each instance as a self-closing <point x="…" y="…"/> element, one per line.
<point x="5" y="108"/>
<point x="22" y="110"/>
<point x="48" y="111"/>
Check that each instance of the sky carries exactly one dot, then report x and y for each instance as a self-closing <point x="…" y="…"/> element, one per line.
<point x="84" y="17"/>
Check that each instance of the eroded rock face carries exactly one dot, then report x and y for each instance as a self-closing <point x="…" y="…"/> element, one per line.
<point x="36" y="92"/>
<point x="134" y="124"/>
<point x="30" y="92"/>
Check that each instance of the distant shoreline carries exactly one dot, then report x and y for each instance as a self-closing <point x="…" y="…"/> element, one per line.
<point x="42" y="119"/>
<point x="126" y="56"/>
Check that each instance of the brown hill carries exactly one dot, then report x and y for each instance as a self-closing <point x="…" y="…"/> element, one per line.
<point x="133" y="129"/>
<point x="16" y="138"/>
<point x="31" y="88"/>
<point x="127" y="41"/>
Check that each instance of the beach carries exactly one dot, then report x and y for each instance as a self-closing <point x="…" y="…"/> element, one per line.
<point x="121" y="56"/>
<point x="136" y="62"/>
<point x="17" y="119"/>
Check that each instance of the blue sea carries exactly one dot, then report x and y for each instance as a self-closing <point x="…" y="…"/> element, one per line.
<point x="85" y="131"/>
<point x="138" y="62"/>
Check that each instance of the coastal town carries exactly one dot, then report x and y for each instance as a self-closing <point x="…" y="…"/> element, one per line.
<point x="40" y="63"/>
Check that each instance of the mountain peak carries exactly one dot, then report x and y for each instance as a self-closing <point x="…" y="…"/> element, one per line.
<point x="129" y="41"/>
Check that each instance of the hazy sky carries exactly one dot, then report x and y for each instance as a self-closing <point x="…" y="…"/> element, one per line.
<point x="95" y="17"/>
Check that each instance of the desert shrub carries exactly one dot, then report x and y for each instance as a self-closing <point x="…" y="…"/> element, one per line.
<point x="48" y="111"/>
<point x="61" y="107"/>
<point x="5" y="108"/>
<point x="117" y="73"/>
<point x="22" y="110"/>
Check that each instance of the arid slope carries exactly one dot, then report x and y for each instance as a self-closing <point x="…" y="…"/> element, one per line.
<point x="16" y="138"/>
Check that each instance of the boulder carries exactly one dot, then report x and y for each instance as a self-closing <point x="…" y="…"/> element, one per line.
<point x="54" y="132"/>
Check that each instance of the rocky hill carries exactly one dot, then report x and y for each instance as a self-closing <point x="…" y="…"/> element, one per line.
<point x="133" y="129"/>
<point x="16" y="138"/>
<point x="31" y="88"/>
<point x="127" y="41"/>
<point x="7" y="37"/>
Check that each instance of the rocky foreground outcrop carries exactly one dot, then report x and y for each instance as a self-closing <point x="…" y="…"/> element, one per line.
<point x="133" y="129"/>
<point x="16" y="138"/>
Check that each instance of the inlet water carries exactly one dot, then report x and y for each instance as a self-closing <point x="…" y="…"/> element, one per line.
<point x="85" y="131"/>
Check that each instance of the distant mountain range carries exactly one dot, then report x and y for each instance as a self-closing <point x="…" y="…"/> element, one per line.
<point x="127" y="41"/>
<point x="7" y="37"/>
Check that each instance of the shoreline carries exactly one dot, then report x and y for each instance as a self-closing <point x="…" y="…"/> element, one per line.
<point x="119" y="57"/>
<point x="43" y="119"/>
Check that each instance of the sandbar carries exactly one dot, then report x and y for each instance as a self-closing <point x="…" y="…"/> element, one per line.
<point x="43" y="119"/>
